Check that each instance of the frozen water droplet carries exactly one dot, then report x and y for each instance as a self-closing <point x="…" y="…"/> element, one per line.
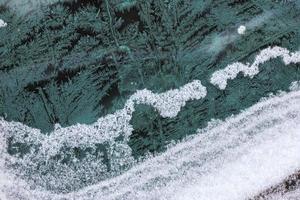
<point x="241" y="30"/>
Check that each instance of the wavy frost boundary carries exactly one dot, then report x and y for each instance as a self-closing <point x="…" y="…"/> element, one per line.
<point x="261" y="145"/>
<point x="221" y="77"/>
<point x="47" y="162"/>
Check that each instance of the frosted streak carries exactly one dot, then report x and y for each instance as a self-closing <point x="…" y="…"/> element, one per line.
<point x="220" y="77"/>
<point x="22" y="7"/>
<point x="234" y="159"/>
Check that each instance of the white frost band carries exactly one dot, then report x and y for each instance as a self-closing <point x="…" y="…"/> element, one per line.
<point x="220" y="77"/>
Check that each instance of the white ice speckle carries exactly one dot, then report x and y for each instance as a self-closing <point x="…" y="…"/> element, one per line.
<point x="241" y="30"/>
<point x="2" y="23"/>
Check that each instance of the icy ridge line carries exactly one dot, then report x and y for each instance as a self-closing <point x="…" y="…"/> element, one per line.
<point x="220" y="77"/>
<point x="106" y="128"/>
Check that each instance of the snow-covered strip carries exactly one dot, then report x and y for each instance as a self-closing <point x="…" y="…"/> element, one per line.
<point x="266" y="163"/>
<point x="220" y="77"/>
<point x="107" y="128"/>
<point x="234" y="159"/>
